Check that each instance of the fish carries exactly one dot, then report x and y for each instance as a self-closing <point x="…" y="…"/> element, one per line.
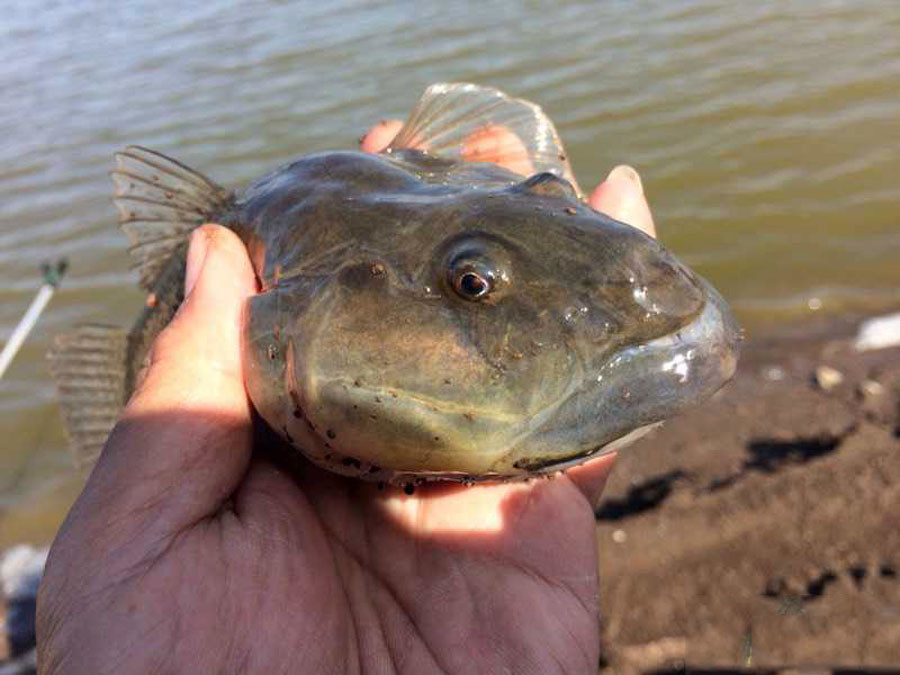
<point x="422" y="315"/>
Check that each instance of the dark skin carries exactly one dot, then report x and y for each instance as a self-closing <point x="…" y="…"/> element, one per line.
<point x="191" y="550"/>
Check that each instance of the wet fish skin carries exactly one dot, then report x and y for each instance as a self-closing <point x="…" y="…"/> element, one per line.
<point x="422" y="317"/>
<point x="360" y="352"/>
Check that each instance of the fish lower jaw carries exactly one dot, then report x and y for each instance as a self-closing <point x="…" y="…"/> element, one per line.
<point x="406" y="450"/>
<point x="374" y="432"/>
<point x="355" y="468"/>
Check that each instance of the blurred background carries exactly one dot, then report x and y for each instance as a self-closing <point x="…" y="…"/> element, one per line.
<point x="766" y="133"/>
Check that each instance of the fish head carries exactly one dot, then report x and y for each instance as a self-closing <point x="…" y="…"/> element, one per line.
<point x="482" y="332"/>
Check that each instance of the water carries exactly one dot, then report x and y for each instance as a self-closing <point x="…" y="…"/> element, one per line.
<point x="767" y="135"/>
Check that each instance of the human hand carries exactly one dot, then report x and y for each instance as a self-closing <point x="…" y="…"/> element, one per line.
<point x="193" y="549"/>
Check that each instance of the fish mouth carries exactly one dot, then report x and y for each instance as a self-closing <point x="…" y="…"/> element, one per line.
<point x="641" y="385"/>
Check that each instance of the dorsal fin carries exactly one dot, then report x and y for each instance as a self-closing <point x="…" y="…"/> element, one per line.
<point x="160" y="202"/>
<point x="469" y="122"/>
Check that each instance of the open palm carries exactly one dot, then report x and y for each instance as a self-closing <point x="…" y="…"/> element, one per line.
<point x="195" y="547"/>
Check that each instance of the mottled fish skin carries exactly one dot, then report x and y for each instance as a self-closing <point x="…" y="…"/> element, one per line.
<point x="421" y="317"/>
<point x="360" y="350"/>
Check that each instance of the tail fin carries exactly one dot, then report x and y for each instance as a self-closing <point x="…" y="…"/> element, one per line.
<point x="160" y="202"/>
<point x="89" y="367"/>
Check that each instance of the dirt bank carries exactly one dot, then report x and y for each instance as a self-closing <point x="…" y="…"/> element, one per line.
<point x="763" y="529"/>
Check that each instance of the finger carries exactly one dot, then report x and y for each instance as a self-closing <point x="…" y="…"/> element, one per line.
<point x="196" y="254"/>
<point x="621" y="196"/>
<point x="184" y="439"/>
<point x="380" y="136"/>
<point x="591" y="477"/>
<point x="195" y="363"/>
<point x="493" y="143"/>
<point x="498" y="145"/>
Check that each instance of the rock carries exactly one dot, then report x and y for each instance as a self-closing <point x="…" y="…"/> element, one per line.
<point x="878" y="333"/>
<point x="653" y="656"/>
<point x="870" y="389"/>
<point x="827" y="378"/>
<point x="21" y="568"/>
<point x="23" y="665"/>
<point x="876" y="401"/>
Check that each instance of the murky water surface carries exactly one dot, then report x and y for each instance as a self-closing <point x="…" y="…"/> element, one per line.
<point x="768" y="135"/>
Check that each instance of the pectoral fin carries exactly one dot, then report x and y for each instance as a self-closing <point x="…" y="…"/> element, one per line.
<point x="160" y="202"/>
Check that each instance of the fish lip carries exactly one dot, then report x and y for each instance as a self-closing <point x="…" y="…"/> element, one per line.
<point x="713" y="334"/>
<point x="642" y="384"/>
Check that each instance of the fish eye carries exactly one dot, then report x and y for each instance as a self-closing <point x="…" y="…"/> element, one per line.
<point x="473" y="277"/>
<point x="471" y="283"/>
<point x="476" y="268"/>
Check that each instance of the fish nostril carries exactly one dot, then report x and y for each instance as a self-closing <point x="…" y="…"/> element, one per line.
<point x="362" y="275"/>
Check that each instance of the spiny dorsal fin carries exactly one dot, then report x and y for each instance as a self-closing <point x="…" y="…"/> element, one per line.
<point x="469" y="122"/>
<point x="160" y="202"/>
<point x="89" y="367"/>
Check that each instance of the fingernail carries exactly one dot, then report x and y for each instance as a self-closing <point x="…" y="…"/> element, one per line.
<point x="625" y="172"/>
<point x="198" y="249"/>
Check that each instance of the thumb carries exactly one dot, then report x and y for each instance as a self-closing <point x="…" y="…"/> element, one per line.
<point x="184" y="440"/>
<point x="621" y="196"/>
<point x="195" y="363"/>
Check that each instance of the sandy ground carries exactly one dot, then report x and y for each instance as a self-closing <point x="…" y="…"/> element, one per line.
<point x="763" y="529"/>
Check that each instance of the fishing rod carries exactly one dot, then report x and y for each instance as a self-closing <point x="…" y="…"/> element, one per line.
<point x="53" y="275"/>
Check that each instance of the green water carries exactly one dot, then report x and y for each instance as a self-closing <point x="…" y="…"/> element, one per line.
<point x="768" y="135"/>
